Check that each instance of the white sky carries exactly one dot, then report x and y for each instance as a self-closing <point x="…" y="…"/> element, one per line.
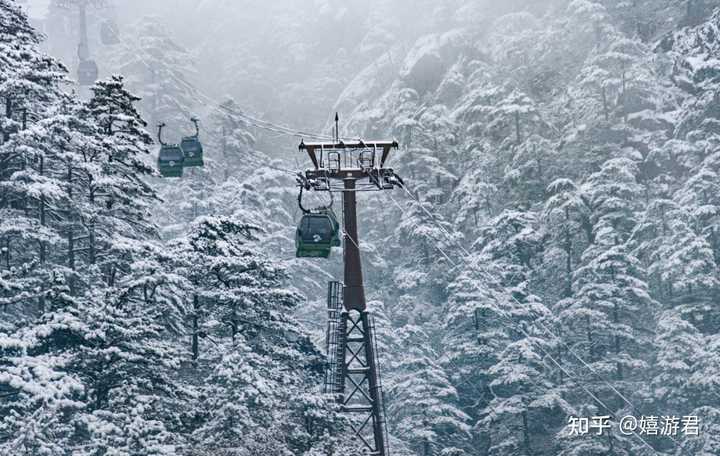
<point x="37" y="8"/>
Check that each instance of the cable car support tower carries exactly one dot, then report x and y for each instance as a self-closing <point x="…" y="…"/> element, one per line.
<point x="353" y="372"/>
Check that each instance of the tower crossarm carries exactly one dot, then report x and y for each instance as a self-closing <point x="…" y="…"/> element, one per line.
<point x="362" y="161"/>
<point x="317" y="150"/>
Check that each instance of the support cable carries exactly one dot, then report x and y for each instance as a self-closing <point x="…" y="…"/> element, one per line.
<point x="488" y="276"/>
<point x="262" y="124"/>
<point x="288" y="131"/>
<point x="522" y="331"/>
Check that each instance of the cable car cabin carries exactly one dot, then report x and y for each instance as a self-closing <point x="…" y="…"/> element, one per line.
<point x="316" y="235"/>
<point x="87" y="72"/>
<point x="193" y="151"/>
<point x="170" y="160"/>
<point x="109" y="33"/>
<point x="329" y="213"/>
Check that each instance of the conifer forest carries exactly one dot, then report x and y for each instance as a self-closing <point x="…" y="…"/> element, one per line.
<point x="360" y="227"/>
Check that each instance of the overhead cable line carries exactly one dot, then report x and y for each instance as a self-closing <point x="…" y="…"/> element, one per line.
<point x="259" y="123"/>
<point x="545" y="352"/>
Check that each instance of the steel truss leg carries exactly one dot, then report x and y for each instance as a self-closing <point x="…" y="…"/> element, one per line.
<point x="361" y="391"/>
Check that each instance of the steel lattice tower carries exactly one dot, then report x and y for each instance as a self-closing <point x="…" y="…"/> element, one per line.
<point x="353" y="371"/>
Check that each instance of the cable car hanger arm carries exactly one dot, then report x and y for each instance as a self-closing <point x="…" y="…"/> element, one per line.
<point x="312" y="147"/>
<point x="316" y="210"/>
<point x="159" y="133"/>
<point x="195" y="121"/>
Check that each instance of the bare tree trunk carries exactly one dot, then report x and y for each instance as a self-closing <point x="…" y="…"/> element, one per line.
<point x="195" y="317"/>
<point x="71" y="248"/>
<point x="526" y="433"/>
<point x="624" y="95"/>
<point x="42" y="211"/>
<point x="606" y="109"/>
<point x="568" y="252"/>
<point x="591" y="350"/>
<point x="7" y="253"/>
<point x="233" y="322"/>
<point x="8" y="115"/>
<point x="561" y="353"/>
<point x="616" y="320"/>
<point x="71" y="240"/>
<point x="91" y="248"/>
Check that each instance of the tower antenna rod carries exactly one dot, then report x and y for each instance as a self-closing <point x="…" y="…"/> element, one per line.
<point x="337" y="128"/>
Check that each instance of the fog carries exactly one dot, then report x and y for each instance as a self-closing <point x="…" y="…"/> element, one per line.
<point x="540" y="251"/>
<point x="285" y="61"/>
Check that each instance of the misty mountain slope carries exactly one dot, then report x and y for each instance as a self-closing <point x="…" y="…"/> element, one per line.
<point x="564" y="156"/>
<point x="554" y="253"/>
<point x="113" y="340"/>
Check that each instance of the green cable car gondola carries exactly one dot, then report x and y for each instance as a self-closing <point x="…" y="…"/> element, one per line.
<point x="170" y="158"/>
<point x="87" y="72"/>
<point x="317" y="234"/>
<point x="318" y="231"/>
<point x="192" y="148"/>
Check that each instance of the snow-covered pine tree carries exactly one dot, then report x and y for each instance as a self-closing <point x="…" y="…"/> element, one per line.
<point x="474" y="335"/>
<point x="23" y="70"/>
<point x="606" y="322"/>
<point x="30" y="89"/>
<point x="531" y="170"/>
<point x="475" y="199"/>
<point x="248" y="345"/>
<point x="84" y="353"/>
<point x="567" y="219"/>
<point x="423" y="409"/>
<point x="117" y="194"/>
<point x="419" y="277"/>
<point x="41" y="194"/>
<point x="513" y="119"/>
<point x="516" y="324"/>
<point x="233" y="141"/>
